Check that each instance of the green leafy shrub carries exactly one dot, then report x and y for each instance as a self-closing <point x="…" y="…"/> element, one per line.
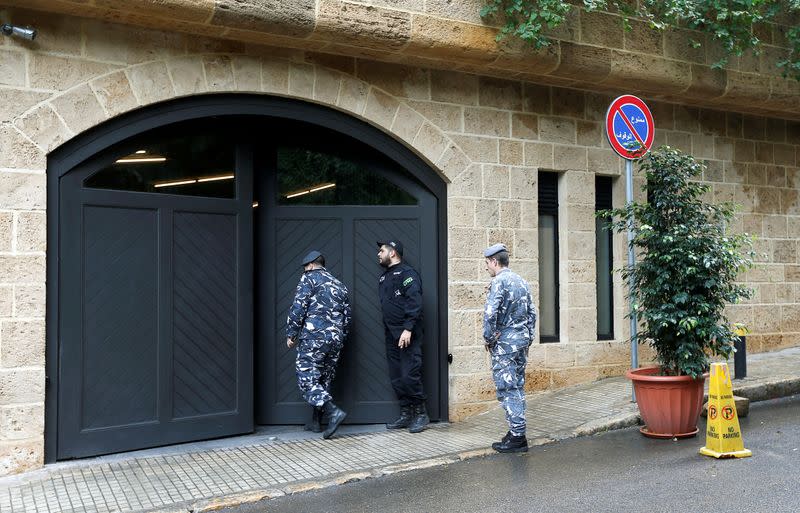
<point x="687" y="265"/>
<point x="731" y="23"/>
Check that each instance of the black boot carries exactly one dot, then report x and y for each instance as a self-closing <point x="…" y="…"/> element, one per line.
<point x="503" y="440"/>
<point x="335" y="416"/>
<point x="403" y="421"/>
<point x="315" y="424"/>
<point x="420" y="420"/>
<point x="511" y="443"/>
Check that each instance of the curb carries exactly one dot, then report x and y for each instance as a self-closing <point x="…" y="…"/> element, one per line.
<point x="772" y="389"/>
<point x="621" y="421"/>
<point x="265" y="494"/>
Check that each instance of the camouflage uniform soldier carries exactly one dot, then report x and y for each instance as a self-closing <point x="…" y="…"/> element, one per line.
<point x="320" y="318"/>
<point x="509" y="324"/>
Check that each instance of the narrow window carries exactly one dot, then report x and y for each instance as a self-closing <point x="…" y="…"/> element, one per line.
<point x="548" y="257"/>
<point x="605" y="261"/>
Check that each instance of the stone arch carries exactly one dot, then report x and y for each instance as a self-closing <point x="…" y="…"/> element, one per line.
<point x="110" y="91"/>
<point x="73" y="149"/>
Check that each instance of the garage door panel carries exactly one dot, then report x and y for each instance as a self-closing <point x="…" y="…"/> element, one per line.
<point x="362" y="386"/>
<point x="294" y="239"/>
<point x="372" y="372"/>
<point x="204" y="358"/>
<point x="120" y="318"/>
<point x="156" y="323"/>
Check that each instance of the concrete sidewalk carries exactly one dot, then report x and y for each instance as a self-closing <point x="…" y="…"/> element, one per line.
<point x="271" y="463"/>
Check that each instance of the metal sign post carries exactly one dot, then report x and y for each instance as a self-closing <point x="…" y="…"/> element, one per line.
<point x="630" y="131"/>
<point x="631" y="261"/>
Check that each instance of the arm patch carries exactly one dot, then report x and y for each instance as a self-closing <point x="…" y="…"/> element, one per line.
<point x="407" y="281"/>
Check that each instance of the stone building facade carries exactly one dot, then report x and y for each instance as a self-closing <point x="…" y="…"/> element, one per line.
<point x="486" y="118"/>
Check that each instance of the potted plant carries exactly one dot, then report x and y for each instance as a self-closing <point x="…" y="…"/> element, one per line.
<point x="688" y="262"/>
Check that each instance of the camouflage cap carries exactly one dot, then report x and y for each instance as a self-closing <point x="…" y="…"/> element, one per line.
<point x="310" y="257"/>
<point x="494" y="249"/>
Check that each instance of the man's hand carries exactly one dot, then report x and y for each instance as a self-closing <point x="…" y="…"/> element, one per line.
<point x="405" y="339"/>
<point x="489" y="345"/>
<point x="290" y="343"/>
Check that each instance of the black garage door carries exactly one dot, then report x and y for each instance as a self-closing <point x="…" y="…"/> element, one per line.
<point x="340" y="200"/>
<point x="156" y="294"/>
<point x="168" y="329"/>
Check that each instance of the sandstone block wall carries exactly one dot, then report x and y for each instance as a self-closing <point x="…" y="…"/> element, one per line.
<point x="591" y="50"/>
<point x="486" y="137"/>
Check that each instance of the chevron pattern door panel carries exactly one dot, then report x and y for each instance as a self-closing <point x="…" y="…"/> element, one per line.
<point x="370" y="379"/>
<point x="348" y="241"/>
<point x="204" y="314"/>
<point x="294" y="238"/>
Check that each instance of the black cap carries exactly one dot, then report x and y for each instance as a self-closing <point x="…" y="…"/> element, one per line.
<point x="393" y="243"/>
<point x="310" y="257"/>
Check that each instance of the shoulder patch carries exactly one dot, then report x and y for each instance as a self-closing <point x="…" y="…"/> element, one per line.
<point x="407" y="281"/>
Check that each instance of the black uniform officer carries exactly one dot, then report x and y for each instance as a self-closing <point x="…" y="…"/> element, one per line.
<point x="400" y="293"/>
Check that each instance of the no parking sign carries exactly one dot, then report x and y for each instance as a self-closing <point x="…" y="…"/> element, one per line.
<point x="630" y="131"/>
<point x="629" y="127"/>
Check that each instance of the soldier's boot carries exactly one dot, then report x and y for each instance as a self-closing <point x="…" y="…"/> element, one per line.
<point x="511" y="443"/>
<point x="505" y="438"/>
<point x="420" y="420"/>
<point x="315" y="425"/>
<point x="404" y="420"/>
<point x="335" y="416"/>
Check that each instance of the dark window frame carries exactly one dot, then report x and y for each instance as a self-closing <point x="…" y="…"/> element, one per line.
<point x="603" y="201"/>
<point x="548" y="206"/>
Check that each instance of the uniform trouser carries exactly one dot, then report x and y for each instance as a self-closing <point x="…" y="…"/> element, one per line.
<point x="316" y="368"/>
<point x="405" y="369"/>
<point x="508" y="371"/>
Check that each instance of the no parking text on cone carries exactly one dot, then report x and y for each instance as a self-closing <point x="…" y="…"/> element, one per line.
<point x="723" y="435"/>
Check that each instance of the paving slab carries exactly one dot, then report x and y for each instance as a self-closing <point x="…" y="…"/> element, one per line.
<point x="279" y="461"/>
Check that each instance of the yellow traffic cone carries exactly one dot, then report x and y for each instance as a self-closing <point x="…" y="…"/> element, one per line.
<point x="723" y="435"/>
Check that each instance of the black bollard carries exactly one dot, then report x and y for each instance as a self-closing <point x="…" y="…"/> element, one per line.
<point x="740" y="358"/>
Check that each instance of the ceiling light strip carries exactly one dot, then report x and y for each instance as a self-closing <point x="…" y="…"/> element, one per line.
<point x="176" y="182"/>
<point x="321" y="187"/>
<point x="215" y="178"/>
<point x="140" y="160"/>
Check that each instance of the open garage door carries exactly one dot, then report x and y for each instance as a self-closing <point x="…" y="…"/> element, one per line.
<point x="357" y="198"/>
<point x="174" y="235"/>
<point x="156" y="324"/>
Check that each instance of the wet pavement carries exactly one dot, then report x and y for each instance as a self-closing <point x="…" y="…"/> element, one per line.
<point x="609" y="472"/>
<point x="277" y="462"/>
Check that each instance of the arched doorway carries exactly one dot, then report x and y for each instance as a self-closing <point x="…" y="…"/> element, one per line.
<point x="179" y="230"/>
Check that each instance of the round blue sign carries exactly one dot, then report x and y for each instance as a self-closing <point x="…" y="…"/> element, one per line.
<point x="629" y="127"/>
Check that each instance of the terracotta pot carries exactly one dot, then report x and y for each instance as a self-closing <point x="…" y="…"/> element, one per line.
<point x="669" y="405"/>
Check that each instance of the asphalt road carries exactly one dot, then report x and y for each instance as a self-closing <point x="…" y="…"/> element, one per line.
<point x="613" y="472"/>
